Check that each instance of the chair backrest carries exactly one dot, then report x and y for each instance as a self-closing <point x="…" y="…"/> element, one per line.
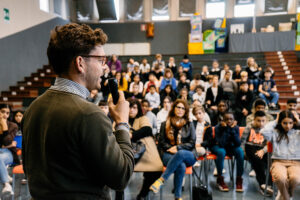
<point x="18" y="139"/>
<point x="241" y="129"/>
<point x="270" y="147"/>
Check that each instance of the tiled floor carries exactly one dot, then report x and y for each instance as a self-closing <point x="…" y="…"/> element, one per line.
<point x="250" y="188"/>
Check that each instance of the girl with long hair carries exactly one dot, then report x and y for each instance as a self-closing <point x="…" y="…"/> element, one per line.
<point x="285" y="168"/>
<point x="176" y="145"/>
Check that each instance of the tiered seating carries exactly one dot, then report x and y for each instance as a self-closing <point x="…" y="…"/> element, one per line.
<point x="287" y="74"/>
<point x="26" y="91"/>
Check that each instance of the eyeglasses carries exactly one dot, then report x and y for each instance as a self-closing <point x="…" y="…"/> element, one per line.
<point x="182" y="108"/>
<point x="101" y="59"/>
<point x="166" y="101"/>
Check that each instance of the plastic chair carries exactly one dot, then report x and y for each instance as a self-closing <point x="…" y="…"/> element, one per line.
<point x="188" y="171"/>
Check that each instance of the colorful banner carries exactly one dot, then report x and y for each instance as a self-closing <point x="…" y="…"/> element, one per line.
<point x="196" y="28"/>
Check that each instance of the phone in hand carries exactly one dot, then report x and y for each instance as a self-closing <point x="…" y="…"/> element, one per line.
<point x="113" y="87"/>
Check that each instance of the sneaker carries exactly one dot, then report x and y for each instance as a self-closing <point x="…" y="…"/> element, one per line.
<point x="216" y="172"/>
<point x="279" y="197"/>
<point x="10" y="180"/>
<point x="239" y="184"/>
<point x="252" y="173"/>
<point x="157" y="185"/>
<point x="197" y="164"/>
<point x="7" y="189"/>
<point x="24" y="181"/>
<point x="221" y="184"/>
<point x="269" y="189"/>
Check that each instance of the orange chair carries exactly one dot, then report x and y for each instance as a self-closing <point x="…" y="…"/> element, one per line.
<point x="188" y="171"/>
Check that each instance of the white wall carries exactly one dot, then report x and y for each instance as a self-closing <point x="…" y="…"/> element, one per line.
<point x="23" y="15"/>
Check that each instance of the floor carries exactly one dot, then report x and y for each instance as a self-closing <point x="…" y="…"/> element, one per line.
<point x="250" y="188"/>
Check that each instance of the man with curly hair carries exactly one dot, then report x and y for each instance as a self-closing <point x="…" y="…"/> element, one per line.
<point x="69" y="148"/>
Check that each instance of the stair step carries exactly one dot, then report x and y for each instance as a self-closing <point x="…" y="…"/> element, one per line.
<point x="24" y="93"/>
<point x="34" y="84"/>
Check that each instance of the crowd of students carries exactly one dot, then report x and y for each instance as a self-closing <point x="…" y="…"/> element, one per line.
<point x="180" y="119"/>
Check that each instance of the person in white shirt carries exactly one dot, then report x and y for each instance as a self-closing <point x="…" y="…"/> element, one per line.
<point x="145" y="66"/>
<point x="200" y="127"/>
<point x="223" y="72"/>
<point x="199" y="94"/>
<point x="154" y="99"/>
<point x="150" y="115"/>
<point x="137" y="81"/>
<point x="197" y="103"/>
<point x="163" y="113"/>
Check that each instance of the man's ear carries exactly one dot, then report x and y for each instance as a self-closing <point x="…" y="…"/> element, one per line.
<point x="80" y="64"/>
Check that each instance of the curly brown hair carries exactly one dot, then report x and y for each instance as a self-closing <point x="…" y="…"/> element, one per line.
<point x="72" y="40"/>
<point x="186" y="106"/>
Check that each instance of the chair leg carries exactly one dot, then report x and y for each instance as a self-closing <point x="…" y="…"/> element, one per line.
<point x="13" y="187"/>
<point x="191" y="186"/>
<point x="161" y="193"/>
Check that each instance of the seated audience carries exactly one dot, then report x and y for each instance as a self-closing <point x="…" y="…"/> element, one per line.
<point x="172" y="65"/>
<point x="122" y="82"/>
<point x="253" y="73"/>
<point x="168" y="80"/>
<point x="114" y="63"/>
<point x="268" y="90"/>
<point x="150" y="163"/>
<point x="236" y="76"/>
<point x="136" y="81"/>
<point x="229" y="88"/>
<point x="145" y="69"/>
<point x="200" y="126"/>
<point x="158" y="61"/>
<point x="204" y="73"/>
<point x="167" y="92"/>
<point x="244" y="78"/>
<point x="224" y="71"/>
<point x="258" y="105"/>
<point x="196" y="82"/>
<point x="154" y="99"/>
<point x="215" y="70"/>
<point x="255" y="146"/>
<point x="135" y="94"/>
<point x="292" y="107"/>
<point x="218" y="116"/>
<point x="163" y="113"/>
<point x="104" y="83"/>
<point x="199" y="94"/>
<point x="285" y="167"/>
<point x="179" y="72"/>
<point x="152" y="81"/>
<point x="214" y="95"/>
<point x="8" y="150"/>
<point x="187" y="66"/>
<point x="197" y="103"/>
<point x="158" y="73"/>
<point x="183" y="83"/>
<point x="103" y="105"/>
<point x="184" y="95"/>
<point x="130" y="65"/>
<point x="150" y="115"/>
<point x="243" y="103"/>
<point x="227" y="142"/>
<point x="136" y="71"/>
<point x="176" y="144"/>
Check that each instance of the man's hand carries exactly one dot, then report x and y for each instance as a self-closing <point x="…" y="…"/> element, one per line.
<point x="119" y="112"/>
<point x="260" y="153"/>
<point x="172" y="150"/>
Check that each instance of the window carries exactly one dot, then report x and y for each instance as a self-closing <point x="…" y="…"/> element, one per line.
<point x="187" y="9"/>
<point x="160" y="10"/>
<point x="108" y="12"/>
<point x="134" y="10"/>
<point x="276" y="6"/>
<point x="298" y="6"/>
<point x="244" y="8"/>
<point x="215" y="9"/>
<point x="44" y="5"/>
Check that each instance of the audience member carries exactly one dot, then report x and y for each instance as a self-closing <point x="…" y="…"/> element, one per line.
<point x="292" y="107"/>
<point x="179" y="72"/>
<point x="255" y="146"/>
<point x="163" y="113"/>
<point x="214" y="95"/>
<point x="122" y="82"/>
<point x="199" y="94"/>
<point x="131" y="64"/>
<point x="8" y="150"/>
<point x="95" y="96"/>
<point x="227" y="142"/>
<point x="183" y="83"/>
<point x="137" y="81"/>
<point x="172" y="65"/>
<point x="114" y="63"/>
<point x="229" y="88"/>
<point x="150" y="115"/>
<point x="224" y="71"/>
<point x="168" y="80"/>
<point x="145" y="67"/>
<point x="135" y="94"/>
<point x="215" y="70"/>
<point x="158" y="73"/>
<point x="136" y="70"/>
<point x="200" y="126"/>
<point x="204" y="73"/>
<point x="197" y="103"/>
<point x="187" y="66"/>
<point x="285" y="167"/>
<point x="150" y="163"/>
<point x="253" y="72"/>
<point x="218" y="116"/>
<point x="167" y="92"/>
<point x="268" y="90"/>
<point x="176" y="144"/>
<point x="158" y="61"/>
<point x="18" y="116"/>
<point x="244" y="78"/>
<point x="104" y="83"/>
<point x="243" y="103"/>
<point x="154" y="99"/>
<point x="152" y="81"/>
<point x="236" y="76"/>
<point x="196" y="82"/>
<point x="258" y="105"/>
<point x="184" y="95"/>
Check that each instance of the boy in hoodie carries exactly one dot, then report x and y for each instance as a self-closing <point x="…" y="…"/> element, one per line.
<point x="259" y="104"/>
<point x="255" y="146"/>
<point x="227" y="142"/>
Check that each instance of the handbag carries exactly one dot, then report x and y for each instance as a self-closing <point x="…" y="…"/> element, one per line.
<point x="201" y="193"/>
<point x="139" y="149"/>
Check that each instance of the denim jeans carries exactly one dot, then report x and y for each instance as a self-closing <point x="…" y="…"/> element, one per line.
<point x="6" y="158"/>
<point x="177" y="163"/>
<point x="273" y="98"/>
<point x="221" y="153"/>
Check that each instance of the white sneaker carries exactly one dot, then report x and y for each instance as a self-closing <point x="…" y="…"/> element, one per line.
<point x="10" y="180"/>
<point x="197" y="164"/>
<point x="7" y="189"/>
<point x="216" y="172"/>
<point x="269" y="189"/>
<point x="252" y="173"/>
<point x="279" y="197"/>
